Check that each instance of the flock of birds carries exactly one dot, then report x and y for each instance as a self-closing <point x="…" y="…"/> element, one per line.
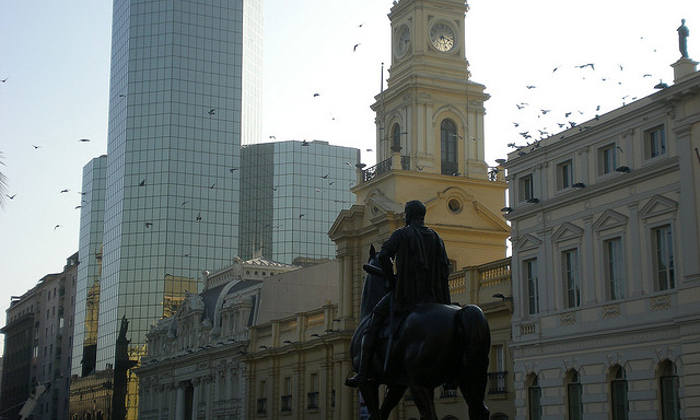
<point x="534" y="122"/>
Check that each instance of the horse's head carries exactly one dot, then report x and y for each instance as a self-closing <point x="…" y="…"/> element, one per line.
<point x="375" y="286"/>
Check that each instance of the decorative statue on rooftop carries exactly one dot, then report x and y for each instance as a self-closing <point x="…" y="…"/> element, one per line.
<point x="683" y="34"/>
<point x="426" y="341"/>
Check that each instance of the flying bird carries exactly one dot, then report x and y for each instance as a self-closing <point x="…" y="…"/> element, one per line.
<point x="183" y="203"/>
<point x="326" y="175"/>
<point x="35" y="146"/>
<point x="355" y="47"/>
<point x="273" y="137"/>
<point x="591" y="65"/>
<point x="199" y="217"/>
<point x="65" y="191"/>
<point x="11" y="197"/>
<point x="212" y="111"/>
<point x="4" y="80"/>
<point x="530" y="87"/>
<point x="57" y="226"/>
<point x="316" y="95"/>
<point x="212" y="186"/>
<point x="232" y="169"/>
<point x="301" y="215"/>
<point x="304" y="143"/>
<point x="84" y="140"/>
<point x="77" y="207"/>
<point x="142" y="183"/>
<point x="148" y="225"/>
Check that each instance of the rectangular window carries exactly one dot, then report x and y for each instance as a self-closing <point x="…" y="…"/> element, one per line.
<point x="575" y="394"/>
<point x="525" y="188"/>
<point x="261" y="406"/>
<point x="620" y="405"/>
<point x="571" y="277"/>
<point x="532" y="286"/>
<point x="535" y="407"/>
<point x="312" y="395"/>
<point x="565" y="175"/>
<point x="614" y="268"/>
<point x="607" y="159"/>
<point x="655" y="142"/>
<point x="286" y="398"/>
<point x="670" y="404"/>
<point x="663" y="258"/>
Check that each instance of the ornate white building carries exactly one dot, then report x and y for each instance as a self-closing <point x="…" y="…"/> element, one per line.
<point x="196" y="362"/>
<point x="193" y="368"/>
<point x="606" y="269"/>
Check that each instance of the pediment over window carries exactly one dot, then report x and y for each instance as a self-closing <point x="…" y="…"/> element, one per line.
<point x="567" y="231"/>
<point x="610" y="219"/>
<point x="527" y="242"/>
<point x="658" y="205"/>
<point x="379" y="204"/>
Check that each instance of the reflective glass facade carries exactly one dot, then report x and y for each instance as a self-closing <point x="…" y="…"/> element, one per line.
<point x="291" y="194"/>
<point x="175" y="130"/>
<point x="89" y="271"/>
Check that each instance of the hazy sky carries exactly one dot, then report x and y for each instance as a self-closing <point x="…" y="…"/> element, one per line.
<point x="55" y="59"/>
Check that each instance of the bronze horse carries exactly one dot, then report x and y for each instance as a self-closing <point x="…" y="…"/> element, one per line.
<point x="435" y="344"/>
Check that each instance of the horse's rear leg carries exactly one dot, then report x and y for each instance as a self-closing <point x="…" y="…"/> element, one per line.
<point x="473" y="390"/>
<point x="423" y="397"/>
<point x="391" y="398"/>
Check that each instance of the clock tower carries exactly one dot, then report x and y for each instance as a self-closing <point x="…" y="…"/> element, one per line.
<point x="430" y="109"/>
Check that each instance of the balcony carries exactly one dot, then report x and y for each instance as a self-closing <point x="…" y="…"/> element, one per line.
<point x="312" y="400"/>
<point x="261" y="406"/>
<point x="286" y="403"/>
<point x="384" y="167"/>
<point x="448" y="392"/>
<point x="497" y="383"/>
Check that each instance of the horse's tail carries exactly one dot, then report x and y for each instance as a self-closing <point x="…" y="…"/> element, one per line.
<point x="476" y="335"/>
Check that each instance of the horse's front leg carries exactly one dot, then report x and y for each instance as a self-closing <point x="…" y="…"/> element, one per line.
<point x="370" y="394"/>
<point x="391" y="398"/>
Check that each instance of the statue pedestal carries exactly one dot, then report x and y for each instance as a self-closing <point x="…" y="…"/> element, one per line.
<point x="683" y="68"/>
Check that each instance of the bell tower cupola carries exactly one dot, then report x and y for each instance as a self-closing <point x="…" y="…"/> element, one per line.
<point x="430" y="113"/>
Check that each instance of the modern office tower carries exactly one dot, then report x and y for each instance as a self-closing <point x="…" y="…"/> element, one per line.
<point x="90" y="268"/>
<point x="291" y="193"/>
<point x="177" y="90"/>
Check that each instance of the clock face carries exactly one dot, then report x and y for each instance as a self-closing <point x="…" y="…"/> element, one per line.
<point x="442" y="37"/>
<point x="403" y="41"/>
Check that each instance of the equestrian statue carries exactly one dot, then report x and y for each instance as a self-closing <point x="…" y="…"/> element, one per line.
<point x="410" y="335"/>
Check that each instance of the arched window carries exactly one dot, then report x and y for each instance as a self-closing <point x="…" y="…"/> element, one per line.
<point x="668" y="391"/>
<point x="619" y="404"/>
<point x="448" y="147"/>
<point x="574" y="394"/>
<point x="396" y="137"/>
<point x="534" y="396"/>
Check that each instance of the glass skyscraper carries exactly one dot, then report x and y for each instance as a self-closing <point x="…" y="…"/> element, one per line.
<point x="184" y="91"/>
<point x="90" y="268"/>
<point x="291" y="194"/>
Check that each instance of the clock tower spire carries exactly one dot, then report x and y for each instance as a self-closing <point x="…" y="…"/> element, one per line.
<point x="431" y="113"/>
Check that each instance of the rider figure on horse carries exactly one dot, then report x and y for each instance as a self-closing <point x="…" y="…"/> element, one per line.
<point x="422" y="270"/>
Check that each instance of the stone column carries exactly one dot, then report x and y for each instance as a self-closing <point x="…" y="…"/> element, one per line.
<point x="196" y="382"/>
<point x="180" y="402"/>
